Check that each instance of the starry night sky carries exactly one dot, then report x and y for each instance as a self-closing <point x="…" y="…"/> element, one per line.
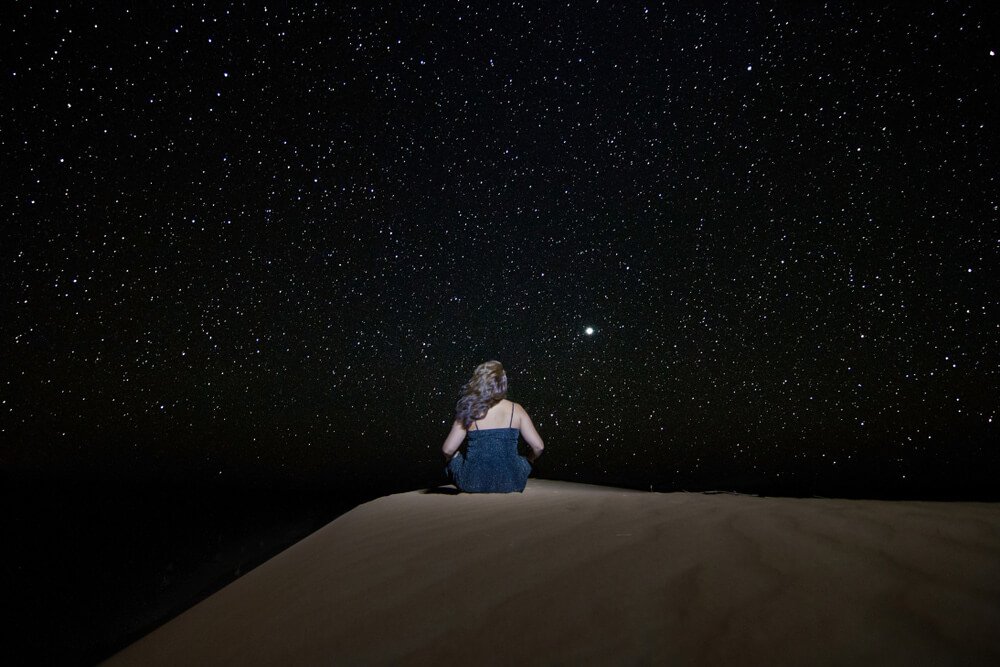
<point x="260" y="244"/>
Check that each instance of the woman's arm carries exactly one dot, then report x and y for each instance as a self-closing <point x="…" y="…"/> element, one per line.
<point x="530" y="435"/>
<point x="453" y="441"/>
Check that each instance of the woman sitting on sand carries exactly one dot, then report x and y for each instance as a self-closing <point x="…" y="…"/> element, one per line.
<point x="490" y="463"/>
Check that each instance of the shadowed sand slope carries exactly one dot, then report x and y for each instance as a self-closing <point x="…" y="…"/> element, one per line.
<point x="571" y="573"/>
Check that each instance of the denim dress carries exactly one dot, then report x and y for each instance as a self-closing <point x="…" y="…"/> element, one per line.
<point x="489" y="463"/>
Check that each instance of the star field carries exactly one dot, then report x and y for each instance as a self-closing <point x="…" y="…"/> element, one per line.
<point x="713" y="244"/>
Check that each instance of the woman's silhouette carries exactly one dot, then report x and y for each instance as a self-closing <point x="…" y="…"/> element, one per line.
<point x="490" y="463"/>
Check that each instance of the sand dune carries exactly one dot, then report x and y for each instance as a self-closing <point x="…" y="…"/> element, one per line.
<point x="569" y="573"/>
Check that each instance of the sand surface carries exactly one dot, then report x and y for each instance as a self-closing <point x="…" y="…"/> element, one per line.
<point x="568" y="574"/>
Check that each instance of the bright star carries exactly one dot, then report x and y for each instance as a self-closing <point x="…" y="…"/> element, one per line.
<point x="589" y="330"/>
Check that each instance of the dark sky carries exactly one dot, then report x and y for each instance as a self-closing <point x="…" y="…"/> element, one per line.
<point x="272" y="243"/>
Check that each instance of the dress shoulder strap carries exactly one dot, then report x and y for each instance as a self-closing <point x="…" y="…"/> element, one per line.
<point x="511" y="414"/>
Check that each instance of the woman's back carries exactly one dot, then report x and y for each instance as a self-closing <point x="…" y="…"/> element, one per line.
<point x="490" y="462"/>
<point x="508" y="414"/>
<point x="500" y="415"/>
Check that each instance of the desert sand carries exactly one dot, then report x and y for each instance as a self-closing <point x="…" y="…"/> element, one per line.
<point x="568" y="574"/>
